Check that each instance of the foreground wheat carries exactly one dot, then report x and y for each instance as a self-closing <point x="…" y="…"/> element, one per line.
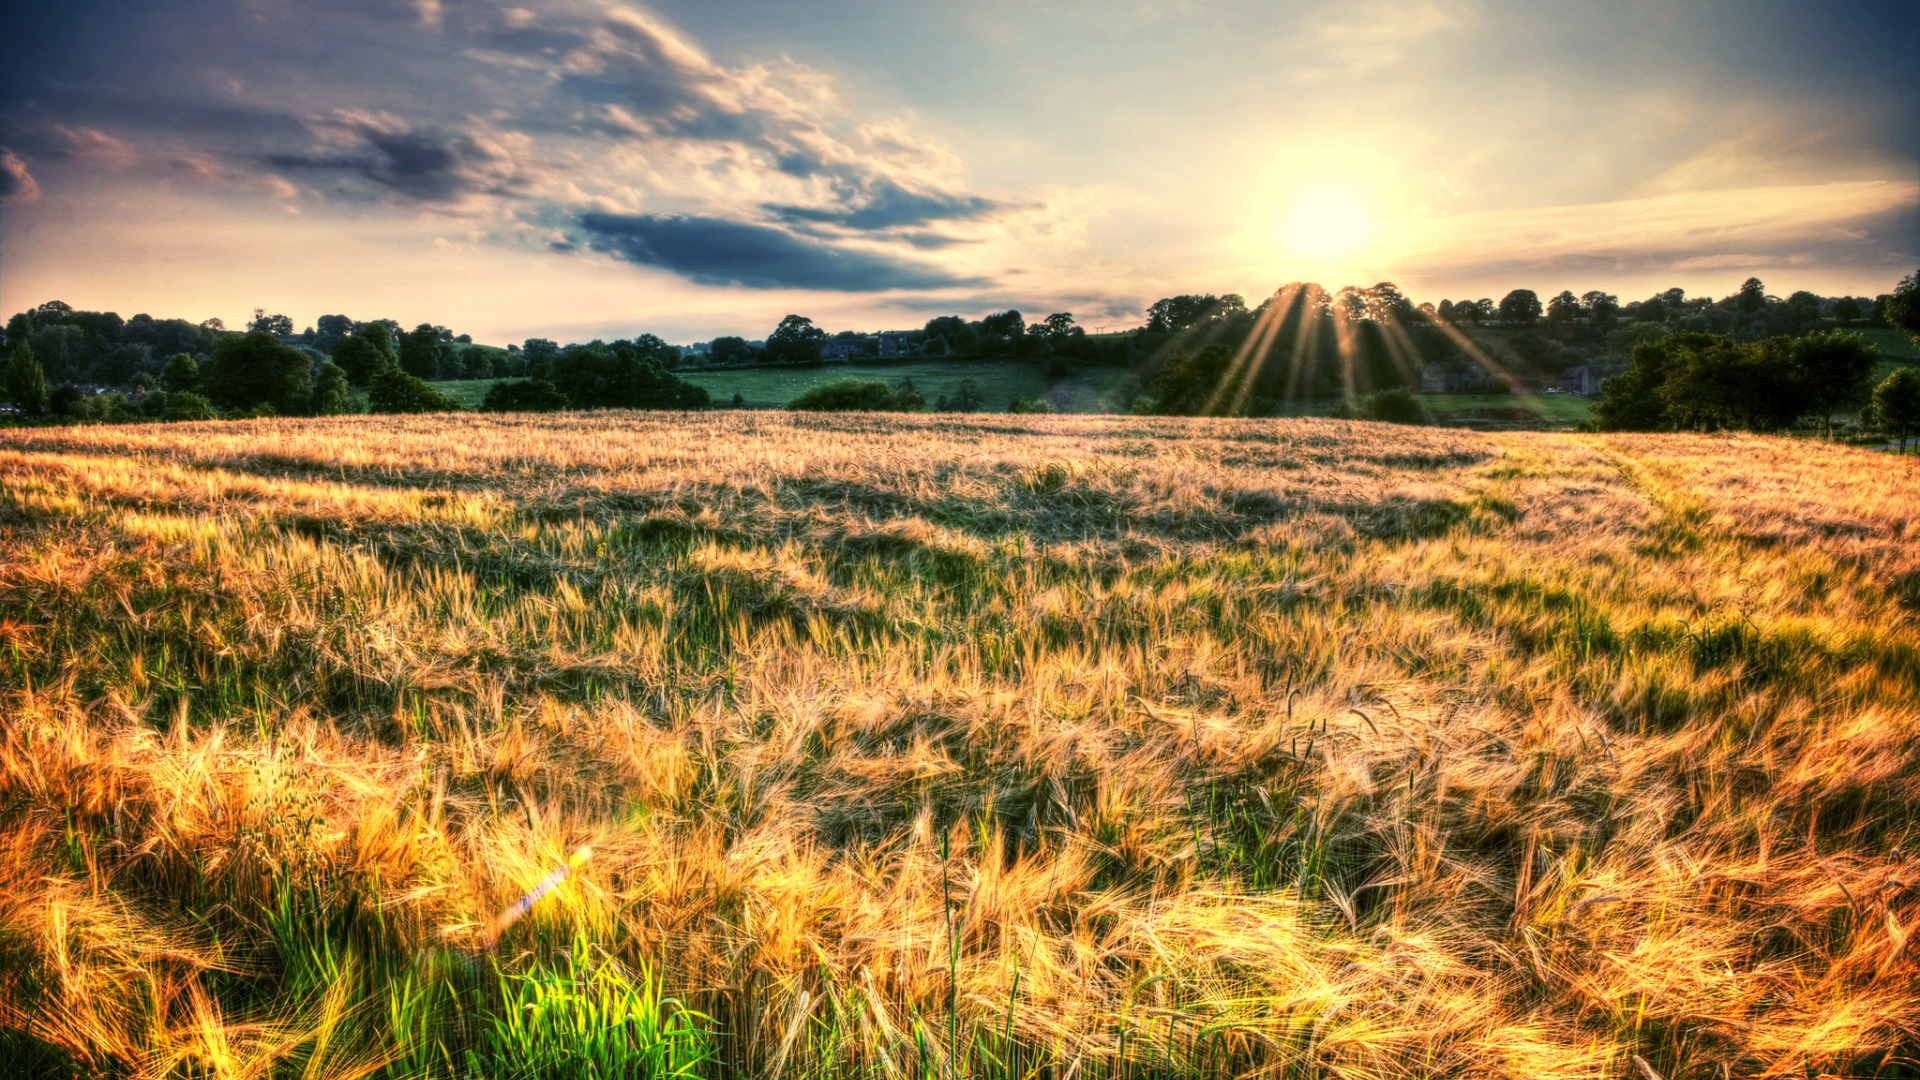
<point x="940" y="747"/>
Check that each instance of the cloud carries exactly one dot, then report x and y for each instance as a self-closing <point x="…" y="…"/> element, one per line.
<point x="423" y="166"/>
<point x="16" y="183"/>
<point x="1836" y="224"/>
<point x="713" y="251"/>
<point x="887" y="205"/>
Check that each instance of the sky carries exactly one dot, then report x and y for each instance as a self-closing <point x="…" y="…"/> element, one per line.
<point x="690" y="168"/>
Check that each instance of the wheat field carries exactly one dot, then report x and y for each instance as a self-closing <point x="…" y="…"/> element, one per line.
<point x="943" y="746"/>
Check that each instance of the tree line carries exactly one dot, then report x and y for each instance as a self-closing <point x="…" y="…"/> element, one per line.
<point x="1746" y="360"/>
<point x="369" y="366"/>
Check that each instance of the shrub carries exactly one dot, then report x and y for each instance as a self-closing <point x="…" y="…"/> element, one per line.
<point x="859" y="395"/>
<point x="1395" y="406"/>
<point x="187" y="405"/>
<point x="524" y="395"/>
<point x="395" y="391"/>
<point x="1031" y="406"/>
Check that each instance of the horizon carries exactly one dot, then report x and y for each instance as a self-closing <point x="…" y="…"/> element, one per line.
<point x="574" y="170"/>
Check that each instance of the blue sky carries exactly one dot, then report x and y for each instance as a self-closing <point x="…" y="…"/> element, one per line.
<point x="574" y="169"/>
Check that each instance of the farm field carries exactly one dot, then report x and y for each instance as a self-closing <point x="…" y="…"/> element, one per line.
<point x="468" y="393"/>
<point x="1566" y="409"/>
<point x="1087" y="390"/>
<point x="941" y="746"/>
<point x="772" y="387"/>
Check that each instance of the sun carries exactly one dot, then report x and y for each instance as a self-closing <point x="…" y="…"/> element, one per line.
<point x="1326" y="223"/>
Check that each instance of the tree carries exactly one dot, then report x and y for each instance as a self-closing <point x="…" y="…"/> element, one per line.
<point x="1175" y="313"/>
<point x="730" y="350"/>
<point x="181" y="373"/>
<point x="256" y="368"/>
<point x="331" y="391"/>
<point x="277" y="325"/>
<point x="1600" y="306"/>
<point x="1564" y="307"/>
<point x="795" y="341"/>
<point x="1846" y="310"/>
<point x="966" y="398"/>
<point x="1896" y="404"/>
<point x="423" y="352"/>
<point x="361" y="359"/>
<point x="1193" y="385"/>
<point x="329" y="329"/>
<point x="1751" y="298"/>
<point x="26" y="383"/>
<point x="185" y="405"/>
<point x="1836" y="372"/>
<point x="524" y="395"/>
<point x="395" y="391"/>
<point x="1445" y="311"/>
<point x="1520" y="306"/>
<point x="1902" y="309"/>
<point x="623" y="375"/>
<point x="1006" y="326"/>
<point x="1722" y="383"/>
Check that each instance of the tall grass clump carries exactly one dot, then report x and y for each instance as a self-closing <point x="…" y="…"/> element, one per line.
<point x="954" y="745"/>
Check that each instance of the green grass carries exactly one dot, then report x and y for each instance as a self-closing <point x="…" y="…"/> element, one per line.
<point x="1567" y="408"/>
<point x="1086" y="390"/>
<point x="468" y="392"/>
<point x="773" y="387"/>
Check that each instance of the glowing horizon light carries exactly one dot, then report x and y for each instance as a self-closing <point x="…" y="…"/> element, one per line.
<point x="1326" y="223"/>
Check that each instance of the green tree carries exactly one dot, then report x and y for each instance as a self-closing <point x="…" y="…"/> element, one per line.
<point x="329" y="329"/>
<point x="1846" y="310"/>
<point x="256" y="368"/>
<point x="181" y="373"/>
<point x="1896" y="404"/>
<point x="1564" y="307"/>
<point x="395" y="391"/>
<point x="1175" y="313"/>
<point x="26" y="383"/>
<point x="1600" y="306"/>
<point x="729" y="349"/>
<point x="184" y="405"/>
<point x="277" y="325"/>
<point x="1727" y="384"/>
<point x="623" y="375"/>
<point x="966" y="397"/>
<point x="1003" y="330"/>
<point x="331" y="391"/>
<point x="361" y="358"/>
<point x="1192" y="384"/>
<point x="795" y="341"/>
<point x="1752" y="296"/>
<point x="1836" y="372"/>
<point x="524" y="395"/>
<point x="1520" y="306"/>
<point x="1902" y="308"/>
<point x="424" y="352"/>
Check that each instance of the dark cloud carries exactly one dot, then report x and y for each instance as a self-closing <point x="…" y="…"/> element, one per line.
<point x="418" y="165"/>
<point x="887" y="205"/>
<point x="16" y="183"/>
<point x="712" y="251"/>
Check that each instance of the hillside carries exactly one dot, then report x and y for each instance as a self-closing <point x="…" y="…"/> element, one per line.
<point x="939" y="745"/>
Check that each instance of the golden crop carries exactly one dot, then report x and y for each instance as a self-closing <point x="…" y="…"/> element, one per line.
<point x="1208" y="748"/>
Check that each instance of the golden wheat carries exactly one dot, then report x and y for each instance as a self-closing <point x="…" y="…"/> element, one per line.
<point x="1206" y="747"/>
